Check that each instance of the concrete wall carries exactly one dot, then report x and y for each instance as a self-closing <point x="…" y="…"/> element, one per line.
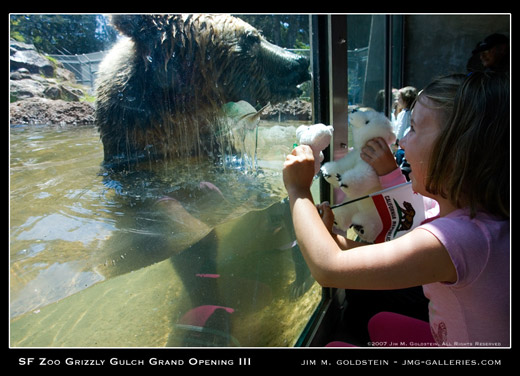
<point x="442" y="44"/>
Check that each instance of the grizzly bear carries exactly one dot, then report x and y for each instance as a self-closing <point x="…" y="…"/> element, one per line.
<point x="160" y="91"/>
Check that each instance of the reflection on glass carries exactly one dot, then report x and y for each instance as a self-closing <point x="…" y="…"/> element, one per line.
<point x="366" y="54"/>
<point x="367" y="39"/>
<point x="156" y="248"/>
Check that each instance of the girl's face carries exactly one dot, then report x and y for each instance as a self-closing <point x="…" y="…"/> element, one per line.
<point x="425" y="127"/>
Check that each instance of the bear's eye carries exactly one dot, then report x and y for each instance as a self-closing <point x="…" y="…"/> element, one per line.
<point x="251" y="38"/>
<point x="366" y="122"/>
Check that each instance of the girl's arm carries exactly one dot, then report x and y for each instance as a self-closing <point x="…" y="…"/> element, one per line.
<point x="414" y="259"/>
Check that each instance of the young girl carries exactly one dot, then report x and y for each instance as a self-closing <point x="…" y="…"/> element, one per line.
<point x="458" y="151"/>
<point x="405" y="98"/>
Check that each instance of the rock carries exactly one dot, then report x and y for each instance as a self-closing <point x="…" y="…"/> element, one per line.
<point x="42" y="93"/>
<point x="20" y="74"/>
<point x="52" y="92"/>
<point x="60" y="91"/>
<point x="65" y="74"/>
<point x="20" y="46"/>
<point x="70" y="94"/>
<point x="295" y="109"/>
<point x="47" y="111"/>
<point x="24" y="85"/>
<point x="26" y="88"/>
<point x="23" y="55"/>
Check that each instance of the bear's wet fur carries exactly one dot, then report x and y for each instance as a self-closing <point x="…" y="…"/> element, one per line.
<point x="161" y="89"/>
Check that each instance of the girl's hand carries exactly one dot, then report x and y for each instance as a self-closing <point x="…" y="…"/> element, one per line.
<point x="298" y="170"/>
<point x="326" y="214"/>
<point x="378" y="155"/>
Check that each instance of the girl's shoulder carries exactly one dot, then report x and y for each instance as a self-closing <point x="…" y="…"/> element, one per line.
<point x="472" y="242"/>
<point x="461" y="225"/>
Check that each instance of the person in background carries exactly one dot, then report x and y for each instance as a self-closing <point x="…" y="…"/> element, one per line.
<point x="405" y="97"/>
<point x="401" y="123"/>
<point x="491" y="54"/>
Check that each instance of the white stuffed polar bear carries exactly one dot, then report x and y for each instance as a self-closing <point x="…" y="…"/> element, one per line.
<point x="356" y="177"/>
<point x="318" y="137"/>
<point x="350" y="173"/>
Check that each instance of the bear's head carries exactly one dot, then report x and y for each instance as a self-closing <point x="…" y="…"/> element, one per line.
<point x="218" y="50"/>
<point x="367" y="124"/>
<point x="161" y="91"/>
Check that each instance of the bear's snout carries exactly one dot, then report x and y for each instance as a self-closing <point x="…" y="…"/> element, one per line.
<point x="286" y="70"/>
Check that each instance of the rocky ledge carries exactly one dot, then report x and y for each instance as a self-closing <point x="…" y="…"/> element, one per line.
<point x="43" y="92"/>
<point x="51" y="111"/>
<point x="294" y="109"/>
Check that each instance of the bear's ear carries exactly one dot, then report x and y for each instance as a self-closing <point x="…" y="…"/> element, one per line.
<point x="129" y="24"/>
<point x="142" y="27"/>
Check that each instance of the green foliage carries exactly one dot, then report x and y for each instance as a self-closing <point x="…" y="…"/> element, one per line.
<point x="284" y="30"/>
<point x="77" y="33"/>
<point x="67" y="34"/>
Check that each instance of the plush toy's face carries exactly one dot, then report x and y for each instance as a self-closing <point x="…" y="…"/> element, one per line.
<point x="360" y="119"/>
<point x="369" y="124"/>
<point x="318" y="135"/>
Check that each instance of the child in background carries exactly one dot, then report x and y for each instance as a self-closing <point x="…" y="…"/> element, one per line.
<point x="405" y="97"/>
<point x="401" y="123"/>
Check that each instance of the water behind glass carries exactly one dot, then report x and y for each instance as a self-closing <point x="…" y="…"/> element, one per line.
<point x="141" y="259"/>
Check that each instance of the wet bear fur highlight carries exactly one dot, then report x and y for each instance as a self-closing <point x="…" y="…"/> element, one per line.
<point x="161" y="89"/>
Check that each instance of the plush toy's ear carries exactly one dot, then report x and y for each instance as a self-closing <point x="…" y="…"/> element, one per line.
<point x="300" y="131"/>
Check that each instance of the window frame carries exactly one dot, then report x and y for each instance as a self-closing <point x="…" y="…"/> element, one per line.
<point x="330" y="98"/>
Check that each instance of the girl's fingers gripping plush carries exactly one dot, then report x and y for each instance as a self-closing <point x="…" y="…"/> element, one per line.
<point x="378" y="155"/>
<point x="326" y="214"/>
<point x="298" y="170"/>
